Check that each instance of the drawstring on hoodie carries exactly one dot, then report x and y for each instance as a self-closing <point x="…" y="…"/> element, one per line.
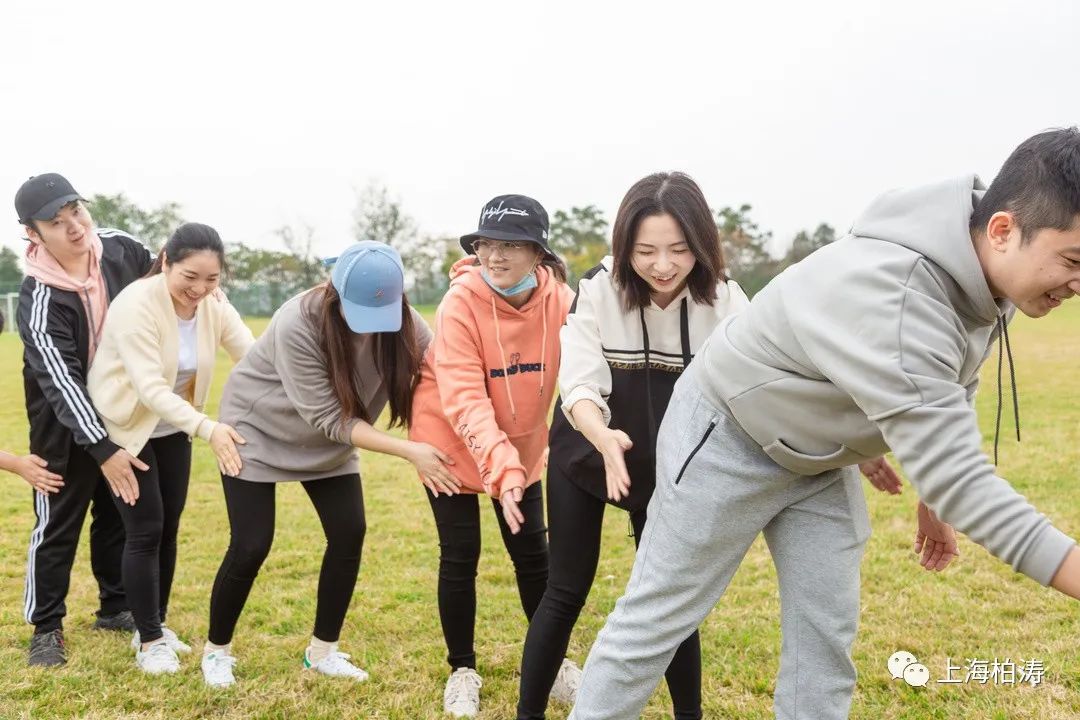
<point x="502" y="355"/>
<point x="1004" y="348"/>
<point x="543" y="347"/>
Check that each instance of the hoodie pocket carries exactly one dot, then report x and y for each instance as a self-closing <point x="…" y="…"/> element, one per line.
<point x="700" y="444"/>
<point x="787" y="457"/>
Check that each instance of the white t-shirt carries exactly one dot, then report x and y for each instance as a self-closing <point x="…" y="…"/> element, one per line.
<point x="185" y="370"/>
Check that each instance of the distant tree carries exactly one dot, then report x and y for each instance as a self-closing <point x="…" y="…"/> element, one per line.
<point x="10" y="272"/>
<point x="304" y="268"/>
<point x="153" y="227"/>
<point x="806" y="243"/>
<point x="453" y="252"/>
<point x="378" y="216"/>
<point x="580" y="236"/>
<point x="745" y="248"/>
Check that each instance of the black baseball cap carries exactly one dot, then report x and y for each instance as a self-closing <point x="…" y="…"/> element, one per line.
<point x="42" y="196"/>
<point x="513" y="218"/>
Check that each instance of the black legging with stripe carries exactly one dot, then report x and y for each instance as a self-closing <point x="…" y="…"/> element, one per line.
<point x="339" y="502"/>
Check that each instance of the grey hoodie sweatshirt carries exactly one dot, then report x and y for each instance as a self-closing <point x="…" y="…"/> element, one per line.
<point x="875" y="343"/>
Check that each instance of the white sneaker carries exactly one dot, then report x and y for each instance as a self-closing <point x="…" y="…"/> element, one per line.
<point x="217" y="669"/>
<point x="178" y="645"/>
<point x="566" y="682"/>
<point x="462" y="695"/>
<point x="336" y="664"/>
<point x="158" y="658"/>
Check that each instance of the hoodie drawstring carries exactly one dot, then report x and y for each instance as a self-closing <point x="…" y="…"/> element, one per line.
<point x="502" y="355"/>
<point x="543" y="346"/>
<point x="1004" y="348"/>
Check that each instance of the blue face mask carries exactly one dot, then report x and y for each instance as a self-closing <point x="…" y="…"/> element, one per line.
<point x="526" y="283"/>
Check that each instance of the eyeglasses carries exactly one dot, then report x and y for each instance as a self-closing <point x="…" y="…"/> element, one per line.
<point x="484" y="248"/>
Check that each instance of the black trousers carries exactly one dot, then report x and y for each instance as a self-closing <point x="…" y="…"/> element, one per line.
<point x="56" y="537"/>
<point x="339" y="502"/>
<point x="457" y="518"/>
<point x="576" y="520"/>
<point x="151" y="525"/>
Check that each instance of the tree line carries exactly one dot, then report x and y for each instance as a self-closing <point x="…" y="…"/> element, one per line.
<point x="259" y="279"/>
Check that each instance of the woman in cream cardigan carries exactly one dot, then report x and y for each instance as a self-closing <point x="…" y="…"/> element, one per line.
<point x="149" y="381"/>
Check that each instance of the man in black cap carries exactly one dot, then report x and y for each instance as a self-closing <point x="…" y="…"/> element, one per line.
<point x="73" y="272"/>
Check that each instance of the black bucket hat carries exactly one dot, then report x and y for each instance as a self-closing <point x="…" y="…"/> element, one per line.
<point x="513" y="218"/>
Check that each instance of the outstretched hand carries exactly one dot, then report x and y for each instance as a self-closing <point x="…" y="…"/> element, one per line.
<point x="936" y="540"/>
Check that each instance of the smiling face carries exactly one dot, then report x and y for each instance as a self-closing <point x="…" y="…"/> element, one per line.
<point x="661" y="257"/>
<point x="66" y="236"/>
<point x="506" y="264"/>
<point x="1036" y="275"/>
<point x="191" y="279"/>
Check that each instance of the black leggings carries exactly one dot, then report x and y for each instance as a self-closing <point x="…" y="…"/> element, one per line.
<point x="458" y="520"/>
<point x="339" y="502"/>
<point x="576" y="520"/>
<point x="151" y="524"/>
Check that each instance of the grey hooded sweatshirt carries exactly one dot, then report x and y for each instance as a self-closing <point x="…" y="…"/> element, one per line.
<point x="875" y="343"/>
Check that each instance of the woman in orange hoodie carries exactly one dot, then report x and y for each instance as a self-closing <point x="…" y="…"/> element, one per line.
<point x="486" y="385"/>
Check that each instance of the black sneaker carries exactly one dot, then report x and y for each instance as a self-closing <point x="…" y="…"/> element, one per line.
<point x="122" y="620"/>
<point x="47" y="649"/>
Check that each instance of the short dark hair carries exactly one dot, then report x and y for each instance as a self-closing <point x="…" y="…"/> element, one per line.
<point x="1039" y="184"/>
<point x="677" y="195"/>
<point x="186" y="240"/>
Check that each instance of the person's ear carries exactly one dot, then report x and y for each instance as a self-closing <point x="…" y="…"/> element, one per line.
<point x="1000" y="229"/>
<point x="32" y="234"/>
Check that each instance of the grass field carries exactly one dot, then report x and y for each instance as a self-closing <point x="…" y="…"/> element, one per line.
<point x="977" y="609"/>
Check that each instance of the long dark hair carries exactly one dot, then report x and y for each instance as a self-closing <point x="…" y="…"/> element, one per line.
<point x="397" y="359"/>
<point x="677" y="195"/>
<point x="186" y="240"/>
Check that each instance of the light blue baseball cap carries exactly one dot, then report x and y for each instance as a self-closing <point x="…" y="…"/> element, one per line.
<point x="370" y="280"/>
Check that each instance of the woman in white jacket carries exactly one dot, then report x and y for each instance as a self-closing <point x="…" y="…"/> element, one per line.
<point x="149" y="381"/>
<point x="638" y="319"/>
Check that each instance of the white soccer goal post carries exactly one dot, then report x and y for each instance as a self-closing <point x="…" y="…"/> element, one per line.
<point x="11" y="303"/>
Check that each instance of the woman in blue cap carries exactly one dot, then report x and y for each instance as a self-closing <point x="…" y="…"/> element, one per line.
<point x="304" y="398"/>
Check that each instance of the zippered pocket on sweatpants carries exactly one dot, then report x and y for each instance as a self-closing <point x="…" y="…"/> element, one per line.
<point x="708" y="432"/>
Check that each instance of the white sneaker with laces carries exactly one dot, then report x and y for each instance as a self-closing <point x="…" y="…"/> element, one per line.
<point x="462" y="695"/>
<point x="566" y="682"/>
<point x="217" y="669"/>
<point x="178" y="645"/>
<point x="336" y="664"/>
<point x="157" y="659"/>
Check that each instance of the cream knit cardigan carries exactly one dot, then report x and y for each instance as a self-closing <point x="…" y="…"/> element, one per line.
<point x="132" y="377"/>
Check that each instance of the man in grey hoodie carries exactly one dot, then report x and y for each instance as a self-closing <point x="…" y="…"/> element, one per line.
<point x="870" y="344"/>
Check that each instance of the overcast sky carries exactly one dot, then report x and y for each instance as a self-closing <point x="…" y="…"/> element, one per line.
<point x="253" y="117"/>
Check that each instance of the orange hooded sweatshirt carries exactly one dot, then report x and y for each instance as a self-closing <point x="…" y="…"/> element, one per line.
<point x="488" y="379"/>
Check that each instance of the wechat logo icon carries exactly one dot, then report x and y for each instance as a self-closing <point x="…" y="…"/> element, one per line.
<point x="903" y="664"/>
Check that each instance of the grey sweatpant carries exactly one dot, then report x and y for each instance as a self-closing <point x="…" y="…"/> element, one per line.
<point x="699" y="529"/>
